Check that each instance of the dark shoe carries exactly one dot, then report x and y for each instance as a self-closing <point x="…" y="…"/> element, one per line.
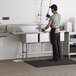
<point x="57" y="60"/>
<point x="60" y="58"/>
<point x="51" y="60"/>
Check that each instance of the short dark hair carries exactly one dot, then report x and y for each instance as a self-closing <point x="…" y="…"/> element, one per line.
<point x="54" y="7"/>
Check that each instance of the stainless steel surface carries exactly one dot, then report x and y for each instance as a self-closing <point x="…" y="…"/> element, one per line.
<point x="28" y="35"/>
<point x="44" y="37"/>
<point x="3" y="31"/>
<point x="3" y="28"/>
<point x="22" y="29"/>
<point x="29" y="38"/>
<point x="3" y="34"/>
<point x="19" y="33"/>
<point x="67" y="44"/>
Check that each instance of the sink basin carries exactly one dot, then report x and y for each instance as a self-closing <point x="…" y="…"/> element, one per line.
<point x="22" y="29"/>
<point x="22" y="33"/>
<point x="30" y="29"/>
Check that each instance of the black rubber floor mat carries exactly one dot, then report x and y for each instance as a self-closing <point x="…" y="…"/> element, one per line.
<point x="45" y="63"/>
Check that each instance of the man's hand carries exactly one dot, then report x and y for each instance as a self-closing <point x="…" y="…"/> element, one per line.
<point x="43" y="29"/>
<point x="48" y="15"/>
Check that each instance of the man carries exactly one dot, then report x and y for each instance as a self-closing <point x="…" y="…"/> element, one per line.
<point x="54" y="23"/>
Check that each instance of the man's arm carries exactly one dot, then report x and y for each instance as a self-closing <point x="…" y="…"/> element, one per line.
<point x="48" y="25"/>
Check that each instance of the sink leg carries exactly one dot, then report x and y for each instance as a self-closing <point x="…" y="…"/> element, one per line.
<point x="22" y="50"/>
<point x="26" y="52"/>
<point x="42" y="46"/>
<point x="62" y="49"/>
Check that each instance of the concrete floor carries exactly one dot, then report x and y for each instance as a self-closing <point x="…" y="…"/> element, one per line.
<point x="10" y="68"/>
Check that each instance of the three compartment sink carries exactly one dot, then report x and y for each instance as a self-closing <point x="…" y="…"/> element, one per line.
<point x="33" y="37"/>
<point x="30" y="34"/>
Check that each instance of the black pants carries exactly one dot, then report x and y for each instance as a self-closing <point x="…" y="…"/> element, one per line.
<point x="55" y="41"/>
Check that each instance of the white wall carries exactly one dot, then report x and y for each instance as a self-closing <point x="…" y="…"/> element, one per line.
<point x="19" y="11"/>
<point x="25" y="11"/>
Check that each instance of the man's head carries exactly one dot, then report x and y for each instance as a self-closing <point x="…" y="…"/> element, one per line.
<point x="54" y="8"/>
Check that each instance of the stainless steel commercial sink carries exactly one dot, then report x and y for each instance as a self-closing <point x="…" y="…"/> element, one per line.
<point x="30" y="34"/>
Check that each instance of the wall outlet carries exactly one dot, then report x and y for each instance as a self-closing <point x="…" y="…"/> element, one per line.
<point x="5" y="18"/>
